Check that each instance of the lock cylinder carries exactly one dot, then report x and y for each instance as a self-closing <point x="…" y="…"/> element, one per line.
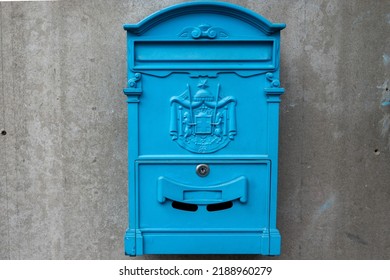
<point x="202" y="170"/>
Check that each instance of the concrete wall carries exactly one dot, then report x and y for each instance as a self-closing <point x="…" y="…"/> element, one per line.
<point x="63" y="162"/>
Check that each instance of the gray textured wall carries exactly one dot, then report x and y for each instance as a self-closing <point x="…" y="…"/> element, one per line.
<point x="63" y="162"/>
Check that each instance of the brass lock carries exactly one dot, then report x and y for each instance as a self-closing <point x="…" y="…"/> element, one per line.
<point x="202" y="170"/>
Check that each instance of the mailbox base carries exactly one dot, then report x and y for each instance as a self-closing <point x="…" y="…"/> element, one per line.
<point x="262" y="243"/>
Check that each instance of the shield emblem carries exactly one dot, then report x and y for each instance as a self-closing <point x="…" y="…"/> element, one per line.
<point x="204" y="123"/>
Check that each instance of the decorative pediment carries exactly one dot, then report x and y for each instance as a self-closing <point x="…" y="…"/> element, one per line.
<point x="220" y="8"/>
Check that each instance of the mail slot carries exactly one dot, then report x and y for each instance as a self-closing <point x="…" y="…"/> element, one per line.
<point x="203" y="97"/>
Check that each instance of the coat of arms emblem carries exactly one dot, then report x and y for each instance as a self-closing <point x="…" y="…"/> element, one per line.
<point x="204" y="122"/>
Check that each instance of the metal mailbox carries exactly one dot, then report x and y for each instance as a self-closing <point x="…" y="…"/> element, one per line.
<point x="203" y="99"/>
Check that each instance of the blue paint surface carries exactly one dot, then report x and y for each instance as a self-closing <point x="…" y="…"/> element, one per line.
<point x="386" y="59"/>
<point x="326" y="205"/>
<point x="203" y="92"/>
<point x="385" y="103"/>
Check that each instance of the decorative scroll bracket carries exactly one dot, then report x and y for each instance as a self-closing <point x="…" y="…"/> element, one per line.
<point x="274" y="91"/>
<point x="274" y="82"/>
<point x="134" y="88"/>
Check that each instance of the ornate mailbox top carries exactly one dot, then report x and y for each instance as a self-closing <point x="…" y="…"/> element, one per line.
<point x="205" y="37"/>
<point x="221" y="8"/>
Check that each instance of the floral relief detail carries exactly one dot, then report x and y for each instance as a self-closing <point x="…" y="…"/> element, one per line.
<point x="203" y="31"/>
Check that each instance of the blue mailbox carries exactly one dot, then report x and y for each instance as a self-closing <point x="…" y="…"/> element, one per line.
<point x="203" y="99"/>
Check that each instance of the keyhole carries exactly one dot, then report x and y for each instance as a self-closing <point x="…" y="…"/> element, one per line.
<point x="202" y="170"/>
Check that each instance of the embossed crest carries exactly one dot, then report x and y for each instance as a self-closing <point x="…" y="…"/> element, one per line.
<point x="204" y="122"/>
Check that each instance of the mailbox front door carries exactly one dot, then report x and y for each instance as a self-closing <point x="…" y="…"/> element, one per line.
<point x="203" y="102"/>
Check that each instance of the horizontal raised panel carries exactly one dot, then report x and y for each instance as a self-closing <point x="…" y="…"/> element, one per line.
<point x="232" y="190"/>
<point x="205" y="243"/>
<point x="204" y="54"/>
